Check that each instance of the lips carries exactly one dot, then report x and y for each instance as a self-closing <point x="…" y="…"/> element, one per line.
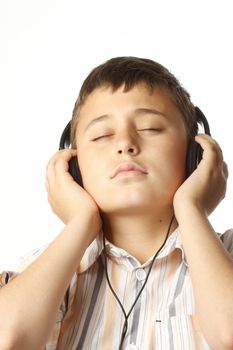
<point x="128" y="168"/>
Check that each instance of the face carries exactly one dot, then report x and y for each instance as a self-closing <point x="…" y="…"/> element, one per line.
<point x="131" y="149"/>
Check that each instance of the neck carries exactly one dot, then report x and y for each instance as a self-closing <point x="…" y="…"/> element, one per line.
<point x="141" y="236"/>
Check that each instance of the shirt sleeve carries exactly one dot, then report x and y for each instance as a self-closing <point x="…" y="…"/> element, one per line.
<point x="24" y="262"/>
<point x="227" y="240"/>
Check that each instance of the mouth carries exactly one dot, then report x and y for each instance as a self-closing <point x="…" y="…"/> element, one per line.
<point x="128" y="169"/>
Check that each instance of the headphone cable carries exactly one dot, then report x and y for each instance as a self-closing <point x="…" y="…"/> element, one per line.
<point x="126" y="316"/>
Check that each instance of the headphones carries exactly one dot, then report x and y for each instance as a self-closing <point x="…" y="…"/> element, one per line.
<point x="194" y="154"/>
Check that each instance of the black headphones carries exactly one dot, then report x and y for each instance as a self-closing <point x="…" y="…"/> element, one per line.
<point x="194" y="154"/>
<point x="64" y="143"/>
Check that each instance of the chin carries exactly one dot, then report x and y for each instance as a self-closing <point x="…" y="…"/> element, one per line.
<point x="126" y="206"/>
<point x="132" y="200"/>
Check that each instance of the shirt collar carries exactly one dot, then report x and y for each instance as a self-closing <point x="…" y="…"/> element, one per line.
<point x="96" y="247"/>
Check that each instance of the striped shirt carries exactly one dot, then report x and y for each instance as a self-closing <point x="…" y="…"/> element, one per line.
<point x="163" y="318"/>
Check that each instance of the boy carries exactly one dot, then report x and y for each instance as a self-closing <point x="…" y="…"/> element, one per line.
<point x="137" y="265"/>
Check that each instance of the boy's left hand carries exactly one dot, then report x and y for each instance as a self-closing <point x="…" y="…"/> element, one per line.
<point x="206" y="186"/>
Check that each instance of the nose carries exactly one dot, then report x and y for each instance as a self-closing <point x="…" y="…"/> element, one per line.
<point x="127" y="144"/>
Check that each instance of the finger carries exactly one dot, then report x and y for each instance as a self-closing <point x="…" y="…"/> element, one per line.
<point x="59" y="163"/>
<point x="63" y="155"/>
<point x="211" y="148"/>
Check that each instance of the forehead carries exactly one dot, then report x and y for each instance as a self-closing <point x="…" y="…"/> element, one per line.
<point x="105" y="101"/>
<point x="121" y="105"/>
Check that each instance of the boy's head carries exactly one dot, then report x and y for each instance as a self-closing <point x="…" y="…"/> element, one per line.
<point x="131" y="71"/>
<point x="131" y="125"/>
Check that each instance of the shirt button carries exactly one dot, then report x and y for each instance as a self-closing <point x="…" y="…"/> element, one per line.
<point x="131" y="347"/>
<point x="140" y="274"/>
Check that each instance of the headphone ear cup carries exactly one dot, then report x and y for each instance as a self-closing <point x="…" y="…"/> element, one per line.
<point x="194" y="156"/>
<point x="75" y="171"/>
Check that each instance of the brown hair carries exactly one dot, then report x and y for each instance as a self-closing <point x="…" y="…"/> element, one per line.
<point x="130" y="71"/>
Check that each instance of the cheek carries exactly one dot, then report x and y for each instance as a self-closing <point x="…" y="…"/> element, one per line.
<point x="90" y="171"/>
<point x="178" y="163"/>
<point x="172" y="160"/>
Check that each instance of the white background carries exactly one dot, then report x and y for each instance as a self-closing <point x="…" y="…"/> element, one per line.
<point x="46" y="50"/>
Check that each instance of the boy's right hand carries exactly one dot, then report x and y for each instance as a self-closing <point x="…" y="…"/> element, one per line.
<point x="68" y="200"/>
<point x="57" y="263"/>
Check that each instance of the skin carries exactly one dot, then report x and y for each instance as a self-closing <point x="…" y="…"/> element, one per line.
<point x="125" y="207"/>
<point x="165" y="191"/>
<point x="142" y="202"/>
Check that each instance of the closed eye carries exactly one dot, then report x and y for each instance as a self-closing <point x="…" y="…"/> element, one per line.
<point x="101" y="137"/>
<point x="150" y="129"/>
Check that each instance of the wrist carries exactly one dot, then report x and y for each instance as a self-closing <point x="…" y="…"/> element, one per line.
<point x="189" y="210"/>
<point x="85" y="226"/>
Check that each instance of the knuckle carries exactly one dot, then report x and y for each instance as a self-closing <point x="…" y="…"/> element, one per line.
<point x="213" y="148"/>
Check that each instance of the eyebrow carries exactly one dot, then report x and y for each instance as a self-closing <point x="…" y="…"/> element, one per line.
<point x="137" y="111"/>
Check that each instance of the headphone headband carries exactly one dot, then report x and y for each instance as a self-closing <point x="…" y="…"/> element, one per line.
<point x="201" y="119"/>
